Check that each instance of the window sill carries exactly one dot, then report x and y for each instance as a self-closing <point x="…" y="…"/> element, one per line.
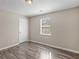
<point x="45" y="34"/>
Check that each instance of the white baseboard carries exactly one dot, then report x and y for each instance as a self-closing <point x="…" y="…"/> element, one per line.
<point x="9" y="46"/>
<point x="56" y="47"/>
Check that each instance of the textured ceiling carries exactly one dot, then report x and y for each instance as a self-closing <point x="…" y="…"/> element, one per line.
<point x="37" y="7"/>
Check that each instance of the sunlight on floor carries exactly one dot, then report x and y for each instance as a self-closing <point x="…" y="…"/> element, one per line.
<point x="46" y="55"/>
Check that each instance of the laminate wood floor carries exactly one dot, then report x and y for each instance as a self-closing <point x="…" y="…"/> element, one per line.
<point x="30" y="50"/>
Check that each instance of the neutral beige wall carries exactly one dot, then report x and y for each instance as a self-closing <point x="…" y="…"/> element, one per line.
<point x="8" y="29"/>
<point x="65" y="29"/>
<point x="13" y="29"/>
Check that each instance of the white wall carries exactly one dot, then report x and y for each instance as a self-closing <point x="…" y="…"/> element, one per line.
<point x="23" y="29"/>
<point x="65" y="29"/>
<point x="9" y="29"/>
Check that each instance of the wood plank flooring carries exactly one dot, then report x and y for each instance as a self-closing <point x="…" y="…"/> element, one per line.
<point x="30" y="50"/>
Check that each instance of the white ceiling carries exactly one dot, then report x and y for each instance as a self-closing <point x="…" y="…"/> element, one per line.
<point x="20" y="7"/>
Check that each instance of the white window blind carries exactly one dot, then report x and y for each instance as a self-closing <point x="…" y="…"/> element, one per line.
<point x="45" y="25"/>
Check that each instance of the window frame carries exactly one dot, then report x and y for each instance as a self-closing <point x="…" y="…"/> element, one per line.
<point x="44" y="26"/>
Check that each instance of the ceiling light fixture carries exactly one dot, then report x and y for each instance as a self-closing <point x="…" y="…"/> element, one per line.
<point x="28" y="1"/>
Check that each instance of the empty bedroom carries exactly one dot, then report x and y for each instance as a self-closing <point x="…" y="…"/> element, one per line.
<point x="39" y="29"/>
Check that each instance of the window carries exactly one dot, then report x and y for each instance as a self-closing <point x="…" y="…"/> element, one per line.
<point x="45" y="25"/>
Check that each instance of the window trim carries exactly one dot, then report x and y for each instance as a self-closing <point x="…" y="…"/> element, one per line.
<point x="41" y="33"/>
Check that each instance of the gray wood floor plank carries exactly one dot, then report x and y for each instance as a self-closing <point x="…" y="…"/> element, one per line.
<point x="30" y="50"/>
